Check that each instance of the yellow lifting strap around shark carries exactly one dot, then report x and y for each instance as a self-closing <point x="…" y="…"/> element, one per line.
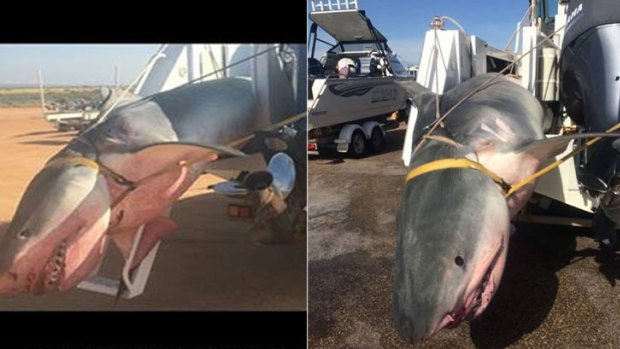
<point x="87" y="162"/>
<point x="120" y="179"/>
<point x="508" y="189"/>
<point x="445" y="164"/>
<point x="76" y="160"/>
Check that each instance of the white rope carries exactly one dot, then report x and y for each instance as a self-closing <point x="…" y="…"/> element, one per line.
<point x="457" y="24"/>
<point x="514" y="33"/>
<point x="159" y="55"/>
<point x="436" y="49"/>
<point x="438" y="122"/>
<point x="150" y="62"/>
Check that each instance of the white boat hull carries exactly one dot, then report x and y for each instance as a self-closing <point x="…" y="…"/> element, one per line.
<point x="339" y="101"/>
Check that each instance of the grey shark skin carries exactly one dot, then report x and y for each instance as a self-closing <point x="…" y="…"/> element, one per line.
<point x="65" y="217"/>
<point x="454" y="224"/>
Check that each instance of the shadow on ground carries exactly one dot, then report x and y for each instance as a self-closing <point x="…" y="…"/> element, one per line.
<point x="528" y="288"/>
<point x="35" y="133"/>
<point x="551" y="295"/>
<point x="50" y="142"/>
<point x="210" y="263"/>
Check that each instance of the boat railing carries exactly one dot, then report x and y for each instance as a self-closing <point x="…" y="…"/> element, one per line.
<point x="334" y="5"/>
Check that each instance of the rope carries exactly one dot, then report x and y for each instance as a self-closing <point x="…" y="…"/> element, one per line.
<point x="466" y="163"/>
<point x="438" y="122"/>
<point x="531" y="178"/>
<point x="132" y="185"/>
<point x="514" y="33"/>
<point x="443" y="139"/>
<point x="243" y="60"/>
<point x="436" y="49"/>
<point x="152" y="61"/>
<point x="508" y="189"/>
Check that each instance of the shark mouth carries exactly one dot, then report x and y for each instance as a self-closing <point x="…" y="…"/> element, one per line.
<point x="52" y="274"/>
<point x="54" y="270"/>
<point x="478" y="299"/>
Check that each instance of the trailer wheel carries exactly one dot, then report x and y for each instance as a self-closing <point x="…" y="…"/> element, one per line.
<point x="376" y="140"/>
<point x="357" y="147"/>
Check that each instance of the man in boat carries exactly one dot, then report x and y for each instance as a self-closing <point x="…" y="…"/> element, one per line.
<point x="346" y="67"/>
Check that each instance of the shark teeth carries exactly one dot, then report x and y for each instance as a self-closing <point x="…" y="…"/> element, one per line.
<point x="56" y="266"/>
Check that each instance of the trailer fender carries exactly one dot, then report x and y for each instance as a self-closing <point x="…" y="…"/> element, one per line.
<point x="344" y="138"/>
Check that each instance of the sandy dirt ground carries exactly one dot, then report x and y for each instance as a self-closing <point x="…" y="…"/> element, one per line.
<point x="552" y="294"/>
<point x="211" y="263"/>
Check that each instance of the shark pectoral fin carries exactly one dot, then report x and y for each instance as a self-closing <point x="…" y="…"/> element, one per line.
<point x="413" y="88"/>
<point x="153" y="231"/>
<point x="549" y="147"/>
<point x="422" y="96"/>
<point x="76" y="273"/>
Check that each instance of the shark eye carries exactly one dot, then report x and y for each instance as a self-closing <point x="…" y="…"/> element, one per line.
<point x="459" y="261"/>
<point x="24" y="234"/>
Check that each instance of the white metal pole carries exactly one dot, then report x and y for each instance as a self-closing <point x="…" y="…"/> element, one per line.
<point x="116" y="77"/>
<point x="41" y="92"/>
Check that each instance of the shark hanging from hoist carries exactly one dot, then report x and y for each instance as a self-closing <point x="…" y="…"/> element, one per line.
<point x="120" y="177"/>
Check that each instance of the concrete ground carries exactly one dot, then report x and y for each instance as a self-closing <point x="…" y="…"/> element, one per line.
<point x="211" y="263"/>
<point x="552" y="294"/>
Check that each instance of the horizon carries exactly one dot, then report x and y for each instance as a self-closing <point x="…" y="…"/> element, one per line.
<point x="29" y="85"/>
<point x="72" y="64"/>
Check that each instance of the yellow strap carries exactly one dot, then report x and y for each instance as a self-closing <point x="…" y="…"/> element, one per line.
<point x="84" y="161"/>
<point x="507" y="188"/>
<point x="444" y="164"/>
<point x="131" y="185"/>
<point x="531" y="178"/>
<point x="77" y="160"/>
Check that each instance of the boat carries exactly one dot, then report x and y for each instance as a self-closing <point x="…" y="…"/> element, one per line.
<point x="354" y="82"/>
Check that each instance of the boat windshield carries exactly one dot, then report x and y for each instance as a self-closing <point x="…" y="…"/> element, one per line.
<point x="353" y="47"/>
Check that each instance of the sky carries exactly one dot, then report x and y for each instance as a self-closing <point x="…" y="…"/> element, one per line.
<point x="77" y="64"/>
<point x="404" y="22"/>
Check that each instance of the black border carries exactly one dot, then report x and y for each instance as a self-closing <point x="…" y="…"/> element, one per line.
<point x="155" y="22"/>
<point x="167" y="328"/>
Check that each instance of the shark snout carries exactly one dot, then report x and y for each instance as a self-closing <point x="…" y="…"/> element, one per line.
<point x="413" y="329"/>
<point x="418" y="321"/>
<point x="11" y="285"/>
<point x="426" y="305"/>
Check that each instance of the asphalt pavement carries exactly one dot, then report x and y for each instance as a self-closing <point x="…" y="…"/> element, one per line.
<point x="553" y="293"/>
